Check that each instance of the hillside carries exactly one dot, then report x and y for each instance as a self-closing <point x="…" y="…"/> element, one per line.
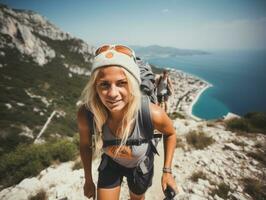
<point x="42" y="69"/>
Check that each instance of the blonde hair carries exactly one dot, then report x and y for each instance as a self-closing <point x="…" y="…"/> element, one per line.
<point x="91" y="100"/>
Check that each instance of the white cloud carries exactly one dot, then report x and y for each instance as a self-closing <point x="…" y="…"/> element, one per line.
<point x="166" y="10"/>
<point x="236" y="34"/>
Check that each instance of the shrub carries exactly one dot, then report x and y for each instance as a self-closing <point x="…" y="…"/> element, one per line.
<point x="259" y="155"/>
<point x="41" y="195"/>
<point x="251" y="122"/>
<point x="179" y="143"/>
<point x="222" y="191"/>
<point x="198" y="175"/>
<point x="63" y="150"/>
<point x="199" y="140"/>
<point x="238" y="143"/>
<point x="236" y="124"/>
<point x="255" y="188"/>
<point x="29" y="160"/>
<point x="175" y="115"/>
<point x="257" y="119"/>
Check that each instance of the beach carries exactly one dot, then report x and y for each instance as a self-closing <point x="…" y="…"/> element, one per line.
<point x="187" y="90"/>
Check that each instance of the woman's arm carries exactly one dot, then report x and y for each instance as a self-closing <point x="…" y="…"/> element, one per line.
<point x="164" y="124"/>
<point x="85" y="145"/>
<point x="170" y="84"/>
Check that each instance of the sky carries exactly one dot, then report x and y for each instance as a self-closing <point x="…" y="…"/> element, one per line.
<point x="187" y="24"/>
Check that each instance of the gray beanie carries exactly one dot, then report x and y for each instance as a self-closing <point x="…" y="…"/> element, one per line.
<point x="113" y="57"/>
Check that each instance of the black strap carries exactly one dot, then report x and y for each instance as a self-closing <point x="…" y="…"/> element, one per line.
<point x="147" y="123"/>
<point x="129" y="142"/>
<point x="90" y="121"/>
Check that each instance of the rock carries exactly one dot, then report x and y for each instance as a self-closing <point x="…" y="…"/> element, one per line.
<point x="232" y="146"/>
<point x="203" y="182"/>
<point x="216" y="197"/>
<point x="230" y="116"/>
<point x="8" y="105"/>
<point x="15" y="193"/>
<point x="196" y="197"/>
<point x="30" y="185"/>
<point x="238" y="196"/>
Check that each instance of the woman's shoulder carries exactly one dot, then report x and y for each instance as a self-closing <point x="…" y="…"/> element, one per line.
<point x="82" y="115"/>
<point x="160" y="119"/>
<point x="157" y="113"/>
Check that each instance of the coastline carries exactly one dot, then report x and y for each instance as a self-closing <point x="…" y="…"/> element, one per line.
<point x="187" y="91"/>
<point x="189" y="112"/>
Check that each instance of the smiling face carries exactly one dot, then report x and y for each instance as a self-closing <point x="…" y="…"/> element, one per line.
<point x="112" y="88"/>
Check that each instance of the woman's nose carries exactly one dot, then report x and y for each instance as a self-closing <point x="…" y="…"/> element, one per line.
<point x="113" y="91"/>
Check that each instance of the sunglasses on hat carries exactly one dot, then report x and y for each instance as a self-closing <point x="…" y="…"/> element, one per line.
<point x="119" y="48"/>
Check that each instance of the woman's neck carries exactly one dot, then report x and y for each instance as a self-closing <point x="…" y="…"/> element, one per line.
<point x="116" y="116"/>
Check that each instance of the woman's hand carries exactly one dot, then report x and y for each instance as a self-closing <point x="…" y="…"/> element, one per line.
<point x="89" y="189"/>
<point x="168" y="180"/>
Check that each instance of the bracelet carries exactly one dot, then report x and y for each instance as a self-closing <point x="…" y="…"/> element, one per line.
<point x="167" y="170"/>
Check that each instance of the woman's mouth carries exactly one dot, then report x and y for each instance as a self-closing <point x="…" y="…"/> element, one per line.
<point x="113" y="102"/>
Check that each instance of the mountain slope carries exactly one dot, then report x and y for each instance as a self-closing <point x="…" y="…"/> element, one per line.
<point x="42" y="69"/>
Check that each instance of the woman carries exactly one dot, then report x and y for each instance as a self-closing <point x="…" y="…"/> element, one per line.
<point x="164" y="89"/>
<point x="112" y="94"/>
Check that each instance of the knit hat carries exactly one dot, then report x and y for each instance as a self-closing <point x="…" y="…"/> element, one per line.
<point x="113" y="57"/>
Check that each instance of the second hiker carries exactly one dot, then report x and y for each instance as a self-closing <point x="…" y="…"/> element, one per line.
<point x="164" y="89"/>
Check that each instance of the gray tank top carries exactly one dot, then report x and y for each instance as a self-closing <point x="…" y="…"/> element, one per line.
<point x="128" y="156"/>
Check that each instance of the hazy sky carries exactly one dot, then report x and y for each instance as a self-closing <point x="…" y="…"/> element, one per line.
<point x="192" y="24"/>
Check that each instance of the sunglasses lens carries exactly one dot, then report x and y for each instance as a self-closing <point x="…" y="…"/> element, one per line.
<point x="101" y="49"/>
<point x="124" y="50"/>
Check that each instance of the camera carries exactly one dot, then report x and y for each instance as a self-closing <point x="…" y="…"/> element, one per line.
<point x="169" y="193"/>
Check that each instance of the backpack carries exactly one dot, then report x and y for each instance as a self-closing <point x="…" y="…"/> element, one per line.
<point x="147" y="85"/>
<point x="146" y="121"/>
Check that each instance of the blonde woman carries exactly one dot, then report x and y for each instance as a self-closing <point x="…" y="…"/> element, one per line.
<point x="113" y="96"/>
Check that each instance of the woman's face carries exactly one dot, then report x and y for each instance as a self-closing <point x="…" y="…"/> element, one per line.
<point x="112" y="88"/>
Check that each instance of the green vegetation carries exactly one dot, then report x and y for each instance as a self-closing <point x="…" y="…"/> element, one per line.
<point x="251" y="122"/>
<point x="20" y="74"/>
<point x="222" y="191"/>
<point x="198" y="175"/>
<point x="255" y="188"/>
<point x="179" y="143"/>
<point x="238" y="143"/>
<point x="29" y="160"/>
<point x="199" y="140"/>
<point x="259" y="155"/>
<point x="175" y="115"/>
<point x="41" y="195"/>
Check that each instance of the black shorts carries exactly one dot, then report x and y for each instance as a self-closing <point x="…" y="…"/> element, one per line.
<point x="162" y="98"/>
<point x="111" y="175"/>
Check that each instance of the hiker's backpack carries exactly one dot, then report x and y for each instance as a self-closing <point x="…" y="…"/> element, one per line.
<point x="147" y="125"/>
<point x="147" y="85"/>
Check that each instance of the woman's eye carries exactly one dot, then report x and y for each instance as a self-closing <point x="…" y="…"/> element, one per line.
<point x="104" y="85"/>
<point x="122" y="83"/>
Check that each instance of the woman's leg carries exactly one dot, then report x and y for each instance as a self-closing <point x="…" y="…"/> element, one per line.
<point x="136" y="197"/>
<point x="110" y="193"/>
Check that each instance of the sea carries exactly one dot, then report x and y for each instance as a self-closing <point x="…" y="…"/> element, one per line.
<point x="238" y="78"/>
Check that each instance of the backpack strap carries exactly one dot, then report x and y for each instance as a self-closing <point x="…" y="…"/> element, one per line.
<point x="90" y="121"/>
<point x="147" y="123"/>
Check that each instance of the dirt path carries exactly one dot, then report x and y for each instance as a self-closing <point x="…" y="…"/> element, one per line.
<point x="155" y="191"/>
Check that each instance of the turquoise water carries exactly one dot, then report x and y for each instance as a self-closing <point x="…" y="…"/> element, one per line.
<point x="238" y="79"/>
